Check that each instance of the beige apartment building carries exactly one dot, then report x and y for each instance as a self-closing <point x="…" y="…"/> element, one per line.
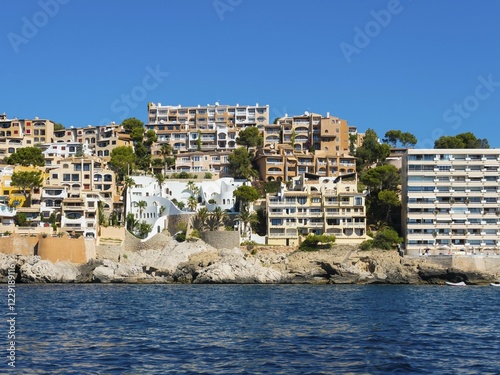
<point x="321" y="206"/>
<point x="203" y="128"/>
<point x="281" y="163"/>
<point x="309" y="131"/>
<point x="451" y="200"/>
<point x="16" y="133"/>
<point x="76" y="185"/>
<point x="100" y="139"/>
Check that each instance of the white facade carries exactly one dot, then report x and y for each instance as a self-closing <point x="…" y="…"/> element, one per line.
<point x="451" y="200"/>
<point x="212" y="194"/>
<point x="64" y="150"/>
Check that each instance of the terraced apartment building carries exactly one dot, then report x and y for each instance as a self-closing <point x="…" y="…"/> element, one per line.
<point x="203" y="128"/>
<point x="451" y="200"/>
<point x="329" y="206"/>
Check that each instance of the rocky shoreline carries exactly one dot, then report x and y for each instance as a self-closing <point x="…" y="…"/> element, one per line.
<point x="164" y="260"/>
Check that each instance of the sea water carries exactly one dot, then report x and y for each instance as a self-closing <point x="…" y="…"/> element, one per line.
<point x="255" y="329"/>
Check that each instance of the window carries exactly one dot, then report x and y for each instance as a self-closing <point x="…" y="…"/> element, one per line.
<point x="75" y="177"/>
<point x="77" y="167"/>
<point x="55" y="176"/>
<point x="86" y="167"/>
<point x="66" y="177"/>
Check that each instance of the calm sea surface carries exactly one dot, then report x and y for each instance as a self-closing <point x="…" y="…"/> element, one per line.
<point x="258" y="329"/>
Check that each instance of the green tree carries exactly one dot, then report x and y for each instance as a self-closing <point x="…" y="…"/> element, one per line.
<point x="143" y="229"/>
<point x="240" y="164"/>
<point x="246" y="194"/>
<point x="371" y="151"/>
<point x="383" y="177"/>
<point x="392" y="137"/>
<point x="20" y="219"/>
<point x="166" y="152"/>
<point x="250" y="137"/>
<point x="386" y="238"/>
<point x="137" y="135"/>
<point x="26" y="181"/>
<point x="388" y="199"/>
<point x="58" y="126"/>
<point x="132" y="123"/>
<point x="463" y="140"/>
<point x="316" y="242"/>
<point x="26" y="156"/>
<point x="122" y="161"/>
<point x="151" y="137"/>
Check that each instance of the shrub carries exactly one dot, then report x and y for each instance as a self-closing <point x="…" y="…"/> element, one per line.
<point x="366" y="245"/>
<point x="44" y="235"/>
<point x="317" y="242"/>
<point x="181" y="237"/>
<point x="208" y="176"/>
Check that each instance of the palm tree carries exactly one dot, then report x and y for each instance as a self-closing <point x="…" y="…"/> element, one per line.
<point x="220" y="215"/>
<point x="144" y="229"/>
<point x="198" y="221"/>
<point x="246" y="217"/>
<point x="212" y="223"/>
<point x="160" y="178"/>
<point x="192" y="187"/>
<point x="141" y="205"/>
<point x="192" y="203"/>
<point x="131" y="222"/>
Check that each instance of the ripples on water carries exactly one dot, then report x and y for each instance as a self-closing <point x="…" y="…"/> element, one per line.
<point x="257" y="329"/>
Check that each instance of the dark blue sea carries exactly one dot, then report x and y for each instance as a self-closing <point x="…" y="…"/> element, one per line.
<point x="255" y="329"/>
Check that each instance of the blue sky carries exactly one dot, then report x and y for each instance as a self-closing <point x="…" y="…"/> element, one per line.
<point x="426" y="67"/>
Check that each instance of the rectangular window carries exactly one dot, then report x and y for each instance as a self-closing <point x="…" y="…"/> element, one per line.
<point x="75" y="177"/>
<point x="86" y="167"/>
<point x="66" y="177"/>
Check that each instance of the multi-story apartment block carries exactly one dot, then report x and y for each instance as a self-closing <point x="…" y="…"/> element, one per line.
<point x="73" y="188"/>
<point x="16" y="133"/>
<point x="451" y="199"/>
<point x="214" y="162"/>
<point x="100" y="140"/>
<point x="281" y="163"/>
<point x="309" y="131"/>
<point x="51" y="151"/>
<point x="203" y="128"/>
<point x="322" y="206"/>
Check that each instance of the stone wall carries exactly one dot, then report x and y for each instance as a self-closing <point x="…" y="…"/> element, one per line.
<point x="175" y="221"/>
<point x="221" y="239"/>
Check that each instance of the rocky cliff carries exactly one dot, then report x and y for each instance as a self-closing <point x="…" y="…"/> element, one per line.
<point x="164" y="260"/>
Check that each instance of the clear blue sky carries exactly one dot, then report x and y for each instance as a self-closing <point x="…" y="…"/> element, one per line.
<point x="425" y="70"/>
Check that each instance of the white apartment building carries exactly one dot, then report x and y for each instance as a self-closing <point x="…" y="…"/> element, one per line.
<point x="451" y="200"/>
<point x="325" y="206"/>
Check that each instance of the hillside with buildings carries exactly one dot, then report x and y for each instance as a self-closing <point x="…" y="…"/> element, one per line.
<point x="192" y="172"/>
